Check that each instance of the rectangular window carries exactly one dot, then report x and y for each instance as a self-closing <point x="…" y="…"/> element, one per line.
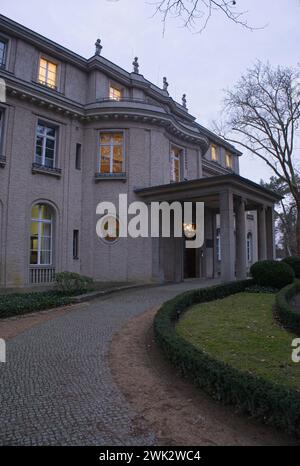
<point x="115" y="93"/>
<point x="229" y="160"/>
<point x="218" y="244"/>
<point x="3" y="51"/>
<point x="214" y="153"/>
<point x="78" y="157"/>
<point x="176" y="163"/>
<point x="112" y="152"/>
<point x="45" y="146"/>
<point x="48" y="73"/>
<point x="75" y="244"/>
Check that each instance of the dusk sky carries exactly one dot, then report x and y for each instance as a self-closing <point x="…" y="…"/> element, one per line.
<point x="200" y="65"/>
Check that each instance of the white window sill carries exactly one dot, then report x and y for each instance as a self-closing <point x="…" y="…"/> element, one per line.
<point x="42" y="169"/>
<point x="111" y="177"/>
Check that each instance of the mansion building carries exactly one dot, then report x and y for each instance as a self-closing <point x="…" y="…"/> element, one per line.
<point x="75" y="132"/>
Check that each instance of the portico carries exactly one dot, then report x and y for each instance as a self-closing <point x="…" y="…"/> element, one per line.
<point x="231" y="197"/>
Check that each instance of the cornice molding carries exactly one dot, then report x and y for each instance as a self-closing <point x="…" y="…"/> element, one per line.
<point x="86" y="114"/>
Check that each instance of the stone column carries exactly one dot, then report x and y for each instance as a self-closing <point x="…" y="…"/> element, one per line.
<point x="241" y="263"/>
<point x="262" y="234"/>
<point x="270" y="230"/>
<point x="227" y="236"/>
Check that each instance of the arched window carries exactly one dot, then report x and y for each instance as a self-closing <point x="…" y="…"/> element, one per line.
<point x="41" y="235"/>
<point x="249" y="247"/>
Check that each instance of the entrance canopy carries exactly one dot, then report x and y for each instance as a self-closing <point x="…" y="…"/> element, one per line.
<point x="231" y="196"/>
<point x="208" y="189"/>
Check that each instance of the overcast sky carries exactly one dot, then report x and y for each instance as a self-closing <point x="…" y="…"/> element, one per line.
<point x="200" y="65"/>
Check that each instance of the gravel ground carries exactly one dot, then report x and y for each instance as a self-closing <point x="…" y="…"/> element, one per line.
<point x="176" y="411"/>
<point x="56" y="387"/>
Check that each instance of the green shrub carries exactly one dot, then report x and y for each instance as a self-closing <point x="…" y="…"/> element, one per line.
<point x="261" y="289"/>
<point x="272" y="403"/>
<point x="294" y="262"/>
<point x="72" y="283"/>
<point x="288" y="316"/>
<point x="272" y="273"/>
<point x="17" y="304"/>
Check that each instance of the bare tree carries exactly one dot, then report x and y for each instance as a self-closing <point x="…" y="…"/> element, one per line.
<point x="195" y="14"/>
<point x="285" y="215"/>
<point x="262" y="114"/>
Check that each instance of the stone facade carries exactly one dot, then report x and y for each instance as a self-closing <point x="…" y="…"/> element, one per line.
<point x="79" y="107"/>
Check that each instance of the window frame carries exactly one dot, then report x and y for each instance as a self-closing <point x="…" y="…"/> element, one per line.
<point x="105" y="219"/>
<point x="181" y="162"/>
<point x="5" y="41"/>
<point x="116" y="87"/>
<point x="249" y="247"/>
<point x="78" y="156"/>
<point x="216" y="148"/>
<point x="218" y="245"/>
<point x="53" y="61"/>
<point x="40" y="222"/>
<point x="76" y="244"/>
<point x="46" y="124"/>
<point x="229" y="156"/>
<point x="111" y="172"/>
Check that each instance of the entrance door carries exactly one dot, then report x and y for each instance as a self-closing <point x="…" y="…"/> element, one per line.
<point x="190" y="265"/>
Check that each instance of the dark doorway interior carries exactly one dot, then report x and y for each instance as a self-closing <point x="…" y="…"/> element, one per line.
<point x="190" y="269"/>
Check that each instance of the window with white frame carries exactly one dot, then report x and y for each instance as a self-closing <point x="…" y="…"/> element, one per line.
<point x="218" y="244"/>
<point x="45" y="146"/>
<point x="115" y="93"/>
<point x="249" y="247"/>
<point x="112" y="152"/>
<point x="214" y="153"/>
<point x="229" y="160"/>
<point x="176" y="163"/>
<point x="41" y="235"/>
<point x="3" y="53"/>
<point x="48" y="73"/>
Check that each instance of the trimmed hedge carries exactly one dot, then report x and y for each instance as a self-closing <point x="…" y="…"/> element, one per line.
<point x="273" y="404"/>
<point x="71" y="283"/>
<point x="272" y="273"/>
<point x="17" y="303"/>
<point x="288" y="316"/>
<point x="294" y="262"/>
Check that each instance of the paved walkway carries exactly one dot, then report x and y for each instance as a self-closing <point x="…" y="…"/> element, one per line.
<point x="56" y="387"/>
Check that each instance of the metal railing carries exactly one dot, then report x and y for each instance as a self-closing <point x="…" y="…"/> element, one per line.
<point x="130" y="99"/>
<point x="44" y="168"/>
<point x="40" y="275"/>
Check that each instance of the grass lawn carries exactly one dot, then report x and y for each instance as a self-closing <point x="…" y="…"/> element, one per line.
<point x="240" y="330"/>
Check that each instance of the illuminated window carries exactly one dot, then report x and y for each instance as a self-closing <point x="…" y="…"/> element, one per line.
<point x="176" y="160"/>
<point x="229" y="160"/>
<point x="214" y="153"/>
<point x="48" y="73"/>
<point x="45" y="145"/>
<point x="110" y="228"/>
<point x="115" y="93"/>
<point x="112" y="152"/>
<point x="41" y="235"/>
<point x="3" y="49"/>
